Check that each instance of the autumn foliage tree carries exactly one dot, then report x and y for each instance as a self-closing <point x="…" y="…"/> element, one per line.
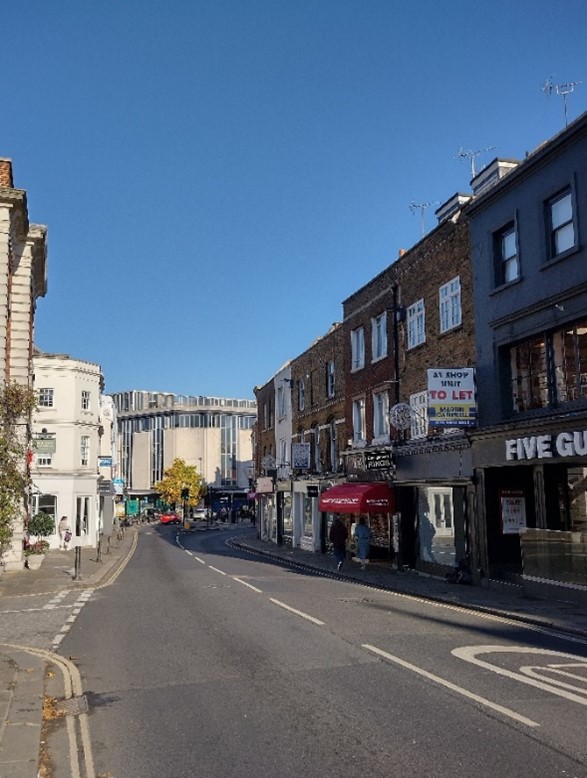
<point x="178" y="480"/>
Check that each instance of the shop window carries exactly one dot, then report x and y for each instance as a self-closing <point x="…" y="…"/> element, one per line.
<point x="529" y="366"/>
<point x="570" y="362"/>
<point x="436" y="532"/>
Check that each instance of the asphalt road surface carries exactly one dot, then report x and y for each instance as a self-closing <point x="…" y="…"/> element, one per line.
<point x="203" y="660"/>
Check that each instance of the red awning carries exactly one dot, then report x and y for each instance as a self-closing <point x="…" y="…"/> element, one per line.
<point x="358" y="498"/>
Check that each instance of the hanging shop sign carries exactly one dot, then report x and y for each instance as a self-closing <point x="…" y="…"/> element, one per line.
<point x="566" y="444"/>
<point x="300" y="456"/>
<point x="44" y="443"/>
<point x="451" y="397"/>
<point x="513" y="511"/>
<point x="104" y="461"/>
<point x="264" y="485"/>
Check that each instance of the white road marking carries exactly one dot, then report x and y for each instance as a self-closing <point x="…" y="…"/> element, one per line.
<point x="469" y="654"/>
<point x="216" y="570"/>
<point x="188" y="552"/>
<point x="459" y="689"/>
<point x="245" y="583"/>
<point x="201" y="561"/>
<point x="541" y="671"/>
<point x="298" y="613"/>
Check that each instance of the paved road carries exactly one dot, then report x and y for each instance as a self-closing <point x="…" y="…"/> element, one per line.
<point x="211" y="662"/>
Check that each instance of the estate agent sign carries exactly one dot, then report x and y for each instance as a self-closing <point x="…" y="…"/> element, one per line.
<point x="451" y="397"/>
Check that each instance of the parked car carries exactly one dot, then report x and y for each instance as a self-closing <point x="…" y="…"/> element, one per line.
<point x="170" y="518"/>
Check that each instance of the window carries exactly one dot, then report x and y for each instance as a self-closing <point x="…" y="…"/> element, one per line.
<point x="419" y="416"/>
<point x="416" y="324"/>
<point x="530" y="379"/>
<point x="507" y="262"/>
<point x="301" y="395"/>
<point x="381" y="415"/>
<point x="82" y="516"/>
<point x="358" y="349"/>
<point x="450" y="305"/>
<point x="562" y="228"/>
<point x="280" y="402"/>
<point x="379" y="336"/>
<point x="332" y="454"/>
<point x="330" y="379"/>
<point x="85" y="450"/>
<point x="358" y="420"/>
<point x="283" y="459"/>
<point x="44" y="460"/>
<point x="570" y="362"/>
<point x="85" y="400"/>
<point x="46" y="398"/>
<point x="315" y="449"/>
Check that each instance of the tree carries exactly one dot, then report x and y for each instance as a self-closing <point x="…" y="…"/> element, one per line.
<point x="181" y="482"/>
<point x="17" y="402"/>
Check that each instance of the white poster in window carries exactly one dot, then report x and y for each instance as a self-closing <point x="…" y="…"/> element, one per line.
<point x="513" y="511"/>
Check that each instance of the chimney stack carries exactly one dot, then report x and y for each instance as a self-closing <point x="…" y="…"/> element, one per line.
<point x="6" y="173"/>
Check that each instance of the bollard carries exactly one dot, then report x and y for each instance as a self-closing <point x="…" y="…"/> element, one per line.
<point x="78" y="564"/>
<point x="99" y="550"/>
<point x="109" y="538"/>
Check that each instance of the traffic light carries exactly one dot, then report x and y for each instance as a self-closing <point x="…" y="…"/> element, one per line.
<point x="185" y="494"/>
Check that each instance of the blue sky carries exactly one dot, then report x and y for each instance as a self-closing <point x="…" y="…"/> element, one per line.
<point x="217" y="176"/>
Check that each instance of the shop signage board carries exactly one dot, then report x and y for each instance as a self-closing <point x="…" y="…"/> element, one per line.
<point x="451" y="397"/>
<point x="513" y="511"/>
<point x="381" y="460"/>
<point x="264" y="485"/>
<point x="44" y="443"/>
<point x="104" y="461"/>
<point x="565" y="444"/>
<point x="300" y="456"/>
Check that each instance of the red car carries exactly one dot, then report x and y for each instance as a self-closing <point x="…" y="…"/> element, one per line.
<point x="170" y="518"/>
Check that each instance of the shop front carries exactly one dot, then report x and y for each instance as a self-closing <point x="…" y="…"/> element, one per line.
<point x="375" y="501"/>
<point x="435" y="491"/>
<point x="532" y="498"/>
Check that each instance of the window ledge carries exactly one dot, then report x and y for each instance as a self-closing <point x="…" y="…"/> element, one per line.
<point x="507" y="285"/>
<point x="560" y="257"/>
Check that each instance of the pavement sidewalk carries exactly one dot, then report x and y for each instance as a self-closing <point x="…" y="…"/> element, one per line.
<point x="22" y="673"/>
<point x="506" y="600"/>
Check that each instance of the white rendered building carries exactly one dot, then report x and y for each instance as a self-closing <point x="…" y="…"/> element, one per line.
<point x="66" y="444"/>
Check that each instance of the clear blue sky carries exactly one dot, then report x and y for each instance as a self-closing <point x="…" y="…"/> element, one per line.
<point x="217" y="176"/>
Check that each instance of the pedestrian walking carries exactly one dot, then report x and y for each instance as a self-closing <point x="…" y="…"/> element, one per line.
<point x="363" y="536"/>
<point x="64" y="533"/>
<point x="337" y="536"/>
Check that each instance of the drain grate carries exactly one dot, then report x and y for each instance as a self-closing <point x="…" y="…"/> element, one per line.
<point x="74" y="706"/>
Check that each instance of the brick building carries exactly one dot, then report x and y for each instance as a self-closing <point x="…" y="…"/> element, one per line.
<point x="23" y="256"/>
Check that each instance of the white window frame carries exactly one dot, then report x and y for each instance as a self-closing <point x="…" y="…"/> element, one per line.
<point x="85" y="450"/>
<point x="301" y="394"/>
<point x="357" y="349"/>
<point x="46" y="396"/>
<point x="559" y="224"/>
<point x="419" y="417"/>
<point x="381" y="415"/>
<point x="280" y="402"/>
<point x="510" y="263"/>
<point x="416" y="320"/>
<point x="44" y="460"/>
<point x="330" y="378"/>
<point x="449" y="296"/>
<point x="86" y="400"/>
<point x="359" y="420"/>
<point x="379" y="337"/>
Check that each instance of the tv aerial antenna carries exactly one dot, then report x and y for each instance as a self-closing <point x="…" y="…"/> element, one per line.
<point x="562" y="90"/>
<point x="422" y="208"/>
<point x="471" y="156"/>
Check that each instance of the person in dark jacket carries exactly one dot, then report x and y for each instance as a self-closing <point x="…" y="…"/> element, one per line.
<point x="338" y="535"/>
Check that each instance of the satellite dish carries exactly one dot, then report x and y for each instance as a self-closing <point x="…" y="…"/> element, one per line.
<point x="400" y="416"/>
